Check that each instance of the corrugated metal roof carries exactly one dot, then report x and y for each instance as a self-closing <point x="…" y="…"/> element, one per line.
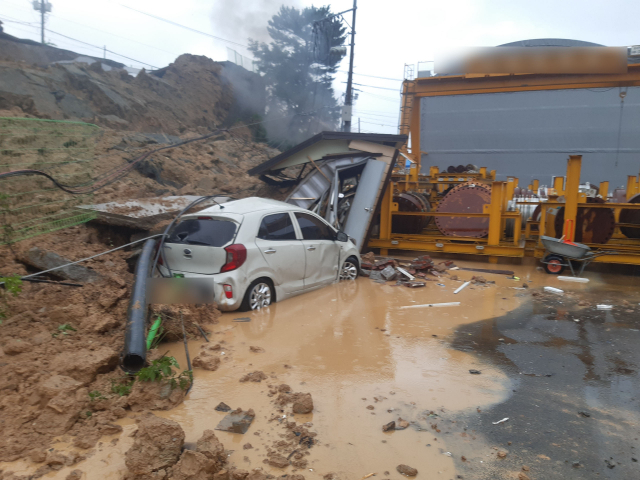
<point x="385" y="139"/>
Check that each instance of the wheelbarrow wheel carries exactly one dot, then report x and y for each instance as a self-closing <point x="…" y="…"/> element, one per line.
<point x="554" y="264"/>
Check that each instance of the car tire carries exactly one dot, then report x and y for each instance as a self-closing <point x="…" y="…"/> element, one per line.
<point x="554" y="264"/>
<point x="349" y="269"/>
<point x="259" y="294"/>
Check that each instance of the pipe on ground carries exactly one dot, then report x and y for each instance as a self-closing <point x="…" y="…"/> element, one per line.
<point x="135" y="343"/>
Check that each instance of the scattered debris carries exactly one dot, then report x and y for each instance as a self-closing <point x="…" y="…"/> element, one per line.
<point x="242" y="319"/>
<point x="574" y="279"/>
<point x="414" y="284"/>
<point x="557" y="291"/>
<point x="449" y="304"/>
<point x="484" y="270"/>
<point x="584" y="414"/>
<point x="389" y="426"/>
<point x="223" y="407"/>
<point x="475" y="372"/>
<point x="461" y="287"/>
<point x="401" y="424"/>
<point x="502" y="454"/>
<point x="236" y="421"/>
<point x="256" y="349"/>
<point x="407" y="470"/>
<point x="605" y="307"/>
<point x="501" y="421"/>
<point x="256" y="376"/>
<point x="405" y="273"/>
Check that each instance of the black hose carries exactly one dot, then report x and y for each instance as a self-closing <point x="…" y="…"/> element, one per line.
<point x="135" y="344"/>
<point x="186" y="351"/>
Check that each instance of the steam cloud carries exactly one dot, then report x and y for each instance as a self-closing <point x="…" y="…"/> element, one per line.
<point x="239" y="20"/>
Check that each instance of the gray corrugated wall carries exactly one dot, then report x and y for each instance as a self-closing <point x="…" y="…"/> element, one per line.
<point x="530" y="134"/>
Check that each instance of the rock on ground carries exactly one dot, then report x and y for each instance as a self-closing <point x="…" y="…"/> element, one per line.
<point x="157" y="445"/>
<point x="256" y="376"/>
<point x="85" y="364"/>
<point x="407" y="470"/>
<point x="207" y="361"/>
<point x="154" y="396"/>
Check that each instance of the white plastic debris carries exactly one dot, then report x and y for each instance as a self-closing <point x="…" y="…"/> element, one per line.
<point x="405" y="273"/>
<point x="448" y="454"/>
<point x="461" y="287"/>
<point x="450" y="304"/>
<point x="605" y="307"/>
<point x="574" y="279"/>
<point x="454" y="268"/>
<point x="505" y="419"/>
<point x="557" y="291"/>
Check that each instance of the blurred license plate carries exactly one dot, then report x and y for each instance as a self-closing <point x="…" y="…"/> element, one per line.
<point x="167" y="291"/>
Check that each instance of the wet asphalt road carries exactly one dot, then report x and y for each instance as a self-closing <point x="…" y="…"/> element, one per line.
<point x="560" y="367"/>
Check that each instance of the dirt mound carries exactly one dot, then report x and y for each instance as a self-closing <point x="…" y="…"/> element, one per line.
<point x="189" y="93"/>
<point x="158" y="444"/>
<point x="58" y="372"/>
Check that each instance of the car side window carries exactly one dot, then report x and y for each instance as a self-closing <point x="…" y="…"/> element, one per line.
<point x="313" y="228"/>
<point x="277" y="227"/>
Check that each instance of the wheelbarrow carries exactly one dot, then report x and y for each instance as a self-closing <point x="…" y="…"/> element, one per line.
<point x="559" y="255"/>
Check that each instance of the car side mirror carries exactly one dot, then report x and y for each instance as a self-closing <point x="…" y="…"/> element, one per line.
<point x="342" y="237"/>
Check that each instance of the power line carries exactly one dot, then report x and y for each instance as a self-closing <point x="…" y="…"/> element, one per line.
<point x="114" y="35"/>
<point x="103" y="49"/>
<point x="84" y="43"/>
<point x="380" y="96"/>
<point x="373" y="76"/>
<point x="182" y="26"/>
<point x="381" y="88"/>
<point x="381" y="124"/>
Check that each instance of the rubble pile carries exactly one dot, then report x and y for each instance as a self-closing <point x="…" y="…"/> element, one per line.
<point x="385" y="269"/>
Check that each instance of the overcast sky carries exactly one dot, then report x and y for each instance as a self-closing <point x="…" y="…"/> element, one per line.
<point x="390" y="34"/>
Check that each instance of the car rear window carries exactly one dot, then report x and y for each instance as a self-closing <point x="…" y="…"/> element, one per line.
<point x="210" y="232"/>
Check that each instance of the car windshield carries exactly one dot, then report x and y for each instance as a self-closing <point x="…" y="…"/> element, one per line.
<point x="210" y="232"/>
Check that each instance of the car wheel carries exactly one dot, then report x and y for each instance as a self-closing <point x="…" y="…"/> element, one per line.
<point x="349" y="270"/>
<point x="258" y="295"/>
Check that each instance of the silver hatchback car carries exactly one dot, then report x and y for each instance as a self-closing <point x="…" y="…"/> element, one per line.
<point x="257" y="251"/>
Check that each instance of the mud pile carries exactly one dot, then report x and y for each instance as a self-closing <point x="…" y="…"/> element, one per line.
<point x="191" y="92"/>
<point x="60" y="348"/>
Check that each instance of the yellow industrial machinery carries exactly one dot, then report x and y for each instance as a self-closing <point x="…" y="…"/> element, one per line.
<point x="475" y="196"/>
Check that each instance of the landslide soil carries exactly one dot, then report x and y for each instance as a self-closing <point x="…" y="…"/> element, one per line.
<point x="58" y="344"/>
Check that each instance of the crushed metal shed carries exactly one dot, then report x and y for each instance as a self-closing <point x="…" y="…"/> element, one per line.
<point x="346" y="178"/>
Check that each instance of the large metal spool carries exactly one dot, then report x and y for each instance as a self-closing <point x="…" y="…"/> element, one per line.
<point x="464" y="198"/>
<point x="593" y="225"/>
<point x="631" y="216"/>
<point x="410" y="202"/>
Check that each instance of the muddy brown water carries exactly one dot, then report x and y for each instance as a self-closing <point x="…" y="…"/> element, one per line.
<point x="346" y="344"/>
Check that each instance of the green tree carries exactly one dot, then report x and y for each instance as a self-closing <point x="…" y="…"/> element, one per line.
<point x="299" y="67"/>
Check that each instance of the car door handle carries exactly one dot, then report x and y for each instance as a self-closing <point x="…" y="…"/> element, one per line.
<point x="311" y="247"/>
<point x="271" y="250"/>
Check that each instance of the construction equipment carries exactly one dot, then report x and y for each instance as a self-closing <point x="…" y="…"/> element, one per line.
<point x="473" y="213"/>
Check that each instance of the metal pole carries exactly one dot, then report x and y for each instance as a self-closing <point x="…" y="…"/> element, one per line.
<point x="105" y="52"/>
<point x="348" y="100"/>
<point x="42" y="20"/>
<point x="358" y="124"/>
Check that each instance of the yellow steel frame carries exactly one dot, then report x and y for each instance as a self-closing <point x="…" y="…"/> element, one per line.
<point x="495" y="244"/>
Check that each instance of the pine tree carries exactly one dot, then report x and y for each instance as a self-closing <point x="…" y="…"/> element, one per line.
<point x="299" y="67"/>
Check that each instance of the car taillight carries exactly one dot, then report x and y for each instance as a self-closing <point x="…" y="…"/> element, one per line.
<point x="228" y="290"/>
<point x="236" y="255"/>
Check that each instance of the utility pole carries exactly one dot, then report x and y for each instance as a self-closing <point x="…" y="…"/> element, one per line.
<point x="346" y="115"/>
<point x="43" y="6"/>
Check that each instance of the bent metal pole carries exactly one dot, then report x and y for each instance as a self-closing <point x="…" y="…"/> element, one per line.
<point x="135" y="344"/>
